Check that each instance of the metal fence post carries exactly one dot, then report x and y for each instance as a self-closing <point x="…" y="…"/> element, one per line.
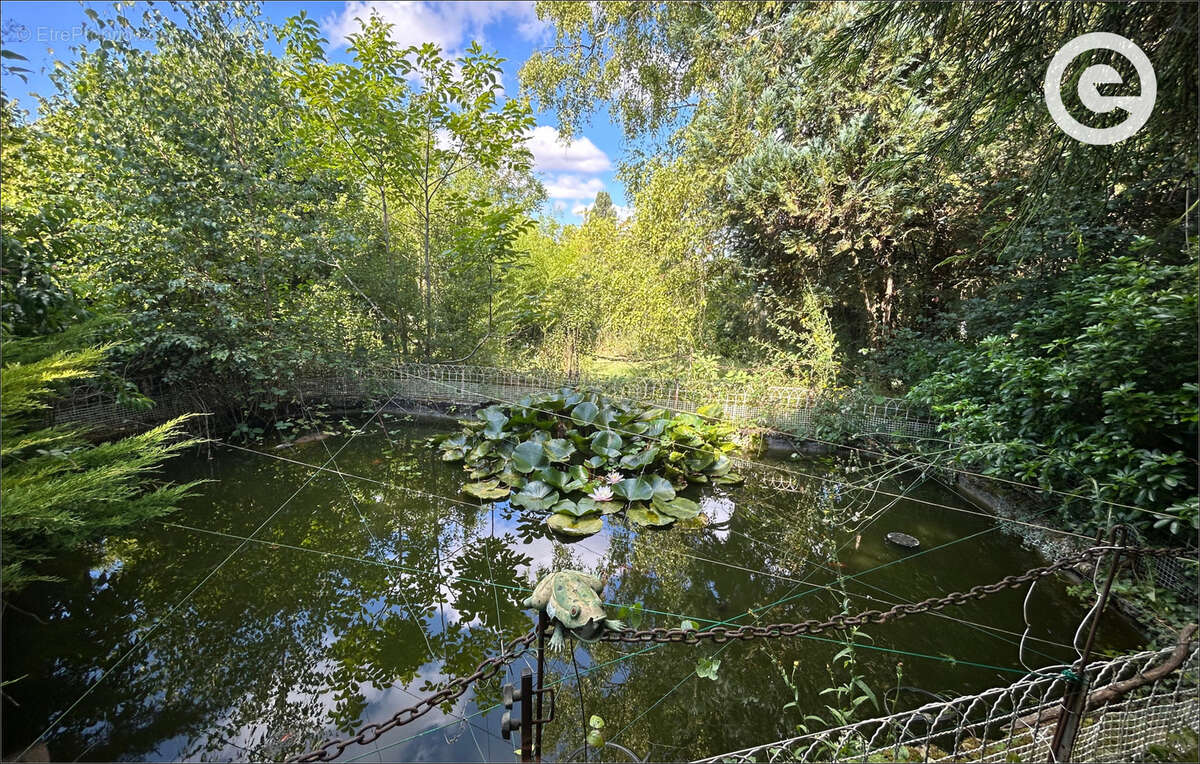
<point x="1074" y="702"/>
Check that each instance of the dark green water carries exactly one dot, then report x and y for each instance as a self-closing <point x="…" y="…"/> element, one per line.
<point x="305" y="633"/>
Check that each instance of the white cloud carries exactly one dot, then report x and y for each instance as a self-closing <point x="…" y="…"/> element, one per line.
<point x="573" y="187"/>
<point x="552" y="155"/>
<point x="451" y="25"/>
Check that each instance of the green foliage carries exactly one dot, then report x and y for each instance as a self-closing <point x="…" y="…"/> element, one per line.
<point x="426" y="151"/>
<point x="59" y="490"/>
<point x="1093" y="392"/>
<point x="568" y="453"/>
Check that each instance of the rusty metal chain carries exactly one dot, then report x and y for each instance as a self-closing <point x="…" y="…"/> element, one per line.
<point x="331" y="749"/>
<point x="722" y="633"/>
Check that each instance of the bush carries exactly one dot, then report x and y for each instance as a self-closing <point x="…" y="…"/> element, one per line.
<point x="1093" y="392"/>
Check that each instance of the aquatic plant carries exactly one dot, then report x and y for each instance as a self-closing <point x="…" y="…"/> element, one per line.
<point x="578" y="455"/>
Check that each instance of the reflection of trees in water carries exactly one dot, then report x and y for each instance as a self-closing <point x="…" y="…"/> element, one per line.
<point x="279" y="645"/>
<point x="282" y="648"/>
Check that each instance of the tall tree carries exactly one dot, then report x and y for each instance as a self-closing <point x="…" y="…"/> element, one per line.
<point x="602" y="207"/>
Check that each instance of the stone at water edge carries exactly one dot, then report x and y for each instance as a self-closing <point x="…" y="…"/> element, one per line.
<point x="903" y="539"/>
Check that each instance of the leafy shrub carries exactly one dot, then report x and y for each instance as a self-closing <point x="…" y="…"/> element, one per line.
<point x="1093" y="392"/>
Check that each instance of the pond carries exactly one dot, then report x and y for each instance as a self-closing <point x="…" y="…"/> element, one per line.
<point x="365" y="591"/>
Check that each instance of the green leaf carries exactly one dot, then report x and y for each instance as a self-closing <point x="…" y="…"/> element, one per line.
<point x="634" y="489"/>
<point x="605" y="443"/>
<point x="603" y="507"/>
<point x="720" y="466"/>
<point x="661" y="487"/>
<point x="529" y="456"/>
<point x="678" y="508"/>
<point x="643" y="515"/>
<point x="536" y="495"/>
<point x="595" y="739"/>
<point x="559" y="449"/>
<point x="574" y="526"/>
<point x="595" y="722"/>
<point x="488" y="490"/>
<point x="585" y="413"/>
<point x="568" y="507"/>
<point x="706" y="668"/>
<point x="641" y="459"/>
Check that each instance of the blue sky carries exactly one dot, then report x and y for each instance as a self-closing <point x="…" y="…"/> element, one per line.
<point x="45" y="32"/>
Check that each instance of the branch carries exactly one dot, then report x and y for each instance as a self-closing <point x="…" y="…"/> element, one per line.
<point x="1111" y="692"/>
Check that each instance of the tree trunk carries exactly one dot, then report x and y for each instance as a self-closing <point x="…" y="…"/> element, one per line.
<point x="428" y="268"/>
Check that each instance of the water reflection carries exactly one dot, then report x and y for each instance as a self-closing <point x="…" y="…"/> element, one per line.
<point x="361" y="597"/>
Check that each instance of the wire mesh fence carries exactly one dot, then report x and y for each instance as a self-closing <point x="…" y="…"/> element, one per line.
<point x="797" y="410"/>
<point x="1135" y="703"/>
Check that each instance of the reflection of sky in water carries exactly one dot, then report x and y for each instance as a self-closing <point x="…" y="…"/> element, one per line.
<point x="325" y="642"/>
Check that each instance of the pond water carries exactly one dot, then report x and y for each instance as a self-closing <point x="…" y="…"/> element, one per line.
<point x="358" y="596"/>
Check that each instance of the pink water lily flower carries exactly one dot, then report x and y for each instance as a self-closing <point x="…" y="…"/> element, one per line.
<point x="614" y="477"/>
<point x="602" y="493"/>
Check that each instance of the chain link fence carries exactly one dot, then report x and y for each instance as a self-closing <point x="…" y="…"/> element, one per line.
<point x="1137" y="703"/>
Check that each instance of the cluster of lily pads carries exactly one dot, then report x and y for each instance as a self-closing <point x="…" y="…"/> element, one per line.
<point x="578" y="455"/>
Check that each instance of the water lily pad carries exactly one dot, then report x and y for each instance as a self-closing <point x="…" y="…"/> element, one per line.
<point x="678" y="508"/>
<point x="606" y="418"/>
<point x="559" y="449"/>
<point x="595" y="462"/>
<point x="730" y="478"/>
<point x="536" y="495"/>
<point x="511" y="479"/>
<point x="700" y="460"/>
<point x="456" y="441"/>
<point x="662" y="488"/>
<point x="574" y="526"/>
<point x="568" y="507"/>
<point x="529" y="456"/>
<point x="484" y="470"/>
<point x="720" y="466"/>
<point x="643" y="515"/>
<point x="605" y="443"/>
<point x="603" y="507"/>
<point x="640" y="459"/>
<point x="488" y="490"/>
<point x="480" y="451"/>
<point x="634" y="489"/>
<point x="584" y="413"/>
<point x="453" y="455"/>
<point x="655" y="427"/>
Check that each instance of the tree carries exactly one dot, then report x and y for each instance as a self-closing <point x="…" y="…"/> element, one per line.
<point x="412" y="143"/>
<point x="60" y="490"/>
<point x="602" y="207"/>
<point x="207" y="224"/>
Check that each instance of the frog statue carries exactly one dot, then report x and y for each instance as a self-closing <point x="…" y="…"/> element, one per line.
<point x="572" y="603"/>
